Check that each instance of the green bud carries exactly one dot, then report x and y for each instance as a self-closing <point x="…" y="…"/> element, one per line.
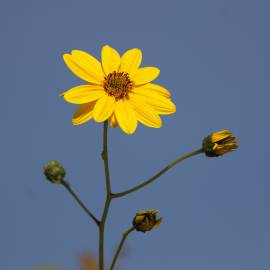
<point x="54" y="172"/>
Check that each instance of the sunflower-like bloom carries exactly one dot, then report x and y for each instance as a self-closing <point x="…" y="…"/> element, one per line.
<point x="146" y="220"/>
<point x="117" y="90"/>
<point x="219" y="143"/>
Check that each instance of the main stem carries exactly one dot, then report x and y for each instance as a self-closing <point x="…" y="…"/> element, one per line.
<point x="153" y="178"/>
<point x="108" y="196"/>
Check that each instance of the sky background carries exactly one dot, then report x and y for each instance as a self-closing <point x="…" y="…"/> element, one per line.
<point x="214" y="58"/>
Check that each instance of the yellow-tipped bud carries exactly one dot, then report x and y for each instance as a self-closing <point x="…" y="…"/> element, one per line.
<point x="219" y="143"/>
<point x="54" y="172"/>
<point x="146" y="220"/>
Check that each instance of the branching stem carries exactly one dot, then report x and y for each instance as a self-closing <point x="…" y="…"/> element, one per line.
<point x="81" y="204"/>
<point x="156" y="176"/>
<point x="124" y="236"/>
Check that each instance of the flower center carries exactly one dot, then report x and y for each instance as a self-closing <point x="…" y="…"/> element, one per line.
<point x="118" y="84"/>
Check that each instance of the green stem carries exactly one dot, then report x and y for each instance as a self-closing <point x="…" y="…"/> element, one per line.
<point x="124" y="236"/>
<point x="81" y="204"/>
<point x="108" y="196"/>
<point x="105" y="158"/>
<point x="153" y="178"/>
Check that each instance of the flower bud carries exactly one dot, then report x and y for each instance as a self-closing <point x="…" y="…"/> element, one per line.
<point x="54" y="172"/>
<point x="146" y="220"/>
<point x="219" y="143"/>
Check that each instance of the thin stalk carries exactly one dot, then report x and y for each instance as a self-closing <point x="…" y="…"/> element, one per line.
<point x="105" y="158"/>
<point x="124" y="236"/>
<point x="81" y="204"/>
<point x="108" y="196"/>
<point x="153" y="178"/>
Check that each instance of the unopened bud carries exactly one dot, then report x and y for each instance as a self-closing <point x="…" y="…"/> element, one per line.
<point x="146" y="220"/>
<point x="54" y="172"/>
<point x="219" y="143"/>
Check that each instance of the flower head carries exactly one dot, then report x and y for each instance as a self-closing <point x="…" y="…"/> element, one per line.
<point x="219" y="143"/>
<point x="117" y="90"/>
<point x="146" y="220"/>
<point x="54" y="172"/>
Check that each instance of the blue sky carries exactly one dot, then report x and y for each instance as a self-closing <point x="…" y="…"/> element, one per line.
<point x="214" y="58"/>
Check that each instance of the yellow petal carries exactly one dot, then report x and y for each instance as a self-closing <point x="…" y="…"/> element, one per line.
<point x="110" y="59"/>
<point x="84" y="94"/>
<point x="159" y="103"/>
<point x="83" y="114"/>
<point x="220" y="135"/>
<point x="85" y="66"/>
<point x="154" y="88"/>
<point x="112" y="120"/>
<point x="104" y="108"/>
<point x="130" y="61"/>
<point x="145" y="75"/>
<point x="145" y="114"/>
<point x="125" y="116"/>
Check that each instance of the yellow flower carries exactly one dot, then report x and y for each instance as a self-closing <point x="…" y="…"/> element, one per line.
<point x="146" y="220"/>
<point x="219" y="143"/>
<point x="117" y="90"/>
